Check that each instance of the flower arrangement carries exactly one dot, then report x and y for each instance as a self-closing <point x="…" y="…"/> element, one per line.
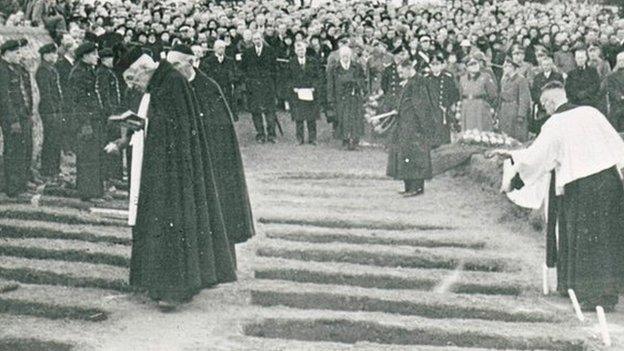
<point x="476" y="137"/>
<point x="379" y="113"/>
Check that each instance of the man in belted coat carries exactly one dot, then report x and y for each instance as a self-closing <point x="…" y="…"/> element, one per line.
<point x="50" y="110"/>
<point x="86" y="105"/>
<point x="304" y="73"/>
<point x="258" y="66"/>
<point x="224" y="71"/>
<point x="15" y="111"/>
<point x="445" y="94"/>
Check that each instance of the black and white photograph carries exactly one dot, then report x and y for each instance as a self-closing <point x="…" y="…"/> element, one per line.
<point x="311" y="175"/>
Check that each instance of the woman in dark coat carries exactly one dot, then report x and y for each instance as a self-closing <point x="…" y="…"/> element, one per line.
<point x="346" y="88"/>
<point x="304" y="73"/>
<point x="409" y="156"/>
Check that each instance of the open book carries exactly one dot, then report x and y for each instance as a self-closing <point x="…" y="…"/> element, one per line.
<point x="130" y="120"/>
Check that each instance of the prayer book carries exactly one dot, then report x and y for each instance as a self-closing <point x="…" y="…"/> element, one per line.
<point x="130" y="120"/>
<point x="305" y="94"/>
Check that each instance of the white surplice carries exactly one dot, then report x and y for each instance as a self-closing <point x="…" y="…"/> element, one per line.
<point x="137" y="141"/>
<point x="575" y="143"/>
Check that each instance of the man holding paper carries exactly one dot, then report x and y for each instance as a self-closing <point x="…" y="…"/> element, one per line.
<point x="305" y="75"/>
<point x="587" y="156"/>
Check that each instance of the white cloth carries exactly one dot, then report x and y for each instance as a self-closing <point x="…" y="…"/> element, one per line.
<point x="137" y="141"/>
<point x="305" y="94"/>
<point x="575" y="143"/>
<point x="302" y="61"/>
<point x="529" y="196"/>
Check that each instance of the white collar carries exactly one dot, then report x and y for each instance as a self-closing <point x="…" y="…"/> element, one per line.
<point x="345" y="66"/>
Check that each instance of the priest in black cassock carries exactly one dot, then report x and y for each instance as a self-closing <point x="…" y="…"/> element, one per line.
<point x="179" y="240"/>
<point x="222" y="142"/>
<point x="585" y="155"/>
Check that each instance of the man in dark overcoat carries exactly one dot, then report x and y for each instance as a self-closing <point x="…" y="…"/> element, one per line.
<point x="50" y="109"/>
<point x="224" y="71"/>
<point x="445" y="94"/>
<point x="583" y="82"/>
<point x="613" y="88"/>
<point x="547" y="75"/>
<point x="409" y="156"/>
<point x="110" y="91"/>
<point x="15" y="110"/>
<point x="64" y="66"/>
<point x="86" y="104"/>
<point x="259" y="70"/>
<point x="304" y="73"/>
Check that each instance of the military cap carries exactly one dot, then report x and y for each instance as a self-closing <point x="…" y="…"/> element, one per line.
<point x="438" y="57"/>
<point x="12" y="45"/>
<point x="47" y="48"/>
<point x="85" y="48"/>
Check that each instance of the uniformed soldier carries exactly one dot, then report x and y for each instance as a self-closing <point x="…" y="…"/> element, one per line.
<point x="86" y="106"/>
<point x="110" y="91"/>
<point x="445" y="94"/>
<point x="390" y="80"/>
<point x="15" y="110"/>
<point x="50" y="110"/>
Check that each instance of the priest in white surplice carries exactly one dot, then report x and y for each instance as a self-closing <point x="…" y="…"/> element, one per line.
<point x="584" y="154"/>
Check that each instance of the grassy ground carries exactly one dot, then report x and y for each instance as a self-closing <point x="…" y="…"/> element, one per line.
<point x="339" y="257"/>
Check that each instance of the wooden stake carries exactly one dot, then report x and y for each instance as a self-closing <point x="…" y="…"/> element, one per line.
<point x="575" y="304"/>
<point x="604" y="328"/>
<point x="545" y="279"/>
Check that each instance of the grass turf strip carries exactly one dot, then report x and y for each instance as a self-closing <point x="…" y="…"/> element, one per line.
<point x="345" y="224"/>
<point x="64" y="255"/>
<point x="32" y="276"/>
<point x="14" y="228"/>
<point x="49" y="214"/>
<point x="18" y="344"/>
<point x="36" y="309"/>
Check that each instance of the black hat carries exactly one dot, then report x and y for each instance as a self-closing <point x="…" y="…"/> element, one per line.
<point x="106" y="52"/>
<point x="84" y="48"/>
<point x="12" y="45"/>
<point x="184" y="49"/>
<point x="47" y="48"/>
<point x="129" y="58"/>
<point x="438" y="57"/>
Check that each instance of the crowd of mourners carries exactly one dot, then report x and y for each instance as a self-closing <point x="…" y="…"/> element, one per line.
<point x="485" y="63"/>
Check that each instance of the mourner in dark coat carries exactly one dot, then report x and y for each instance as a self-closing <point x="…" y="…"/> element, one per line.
<point x="258" y="67"/>
<point x="409" y="156"/>
<point x="224" y="71"/>
<point x="346" y="88"/>
<point x="86" y="104"/>
<point x="547" y="75"/>
<point x="64" y="66"/>
<point x="583" y="82"/>
<point x="110" y="91"/>
<point x="179" y="239"/>
<point x="50" y="110"/>
<point x="304" y="73"/>
<point x="390" y="80"/>
<point x="445" y="94"/>
<point x="613" y="88"/>
<point x="15" y="109"/>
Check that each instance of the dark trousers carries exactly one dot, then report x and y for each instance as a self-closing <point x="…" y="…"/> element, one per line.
<point x="311" y="125"/>
<point x="414" y="184"/>
<point x="16" y="163"/>
<point x="270" y="118"/>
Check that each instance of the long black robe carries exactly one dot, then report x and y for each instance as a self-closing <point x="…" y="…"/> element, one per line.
<point x="179" y="240"/>
<point x="226" y="158"/>
<point x="588" y="252"/>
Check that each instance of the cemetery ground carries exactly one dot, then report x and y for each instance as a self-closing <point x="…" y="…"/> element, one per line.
<point x="340" y="262"/>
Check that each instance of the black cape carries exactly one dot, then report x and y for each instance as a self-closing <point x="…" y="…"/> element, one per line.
<point x="179" y="240"/>
<point x="227" y="162"/>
